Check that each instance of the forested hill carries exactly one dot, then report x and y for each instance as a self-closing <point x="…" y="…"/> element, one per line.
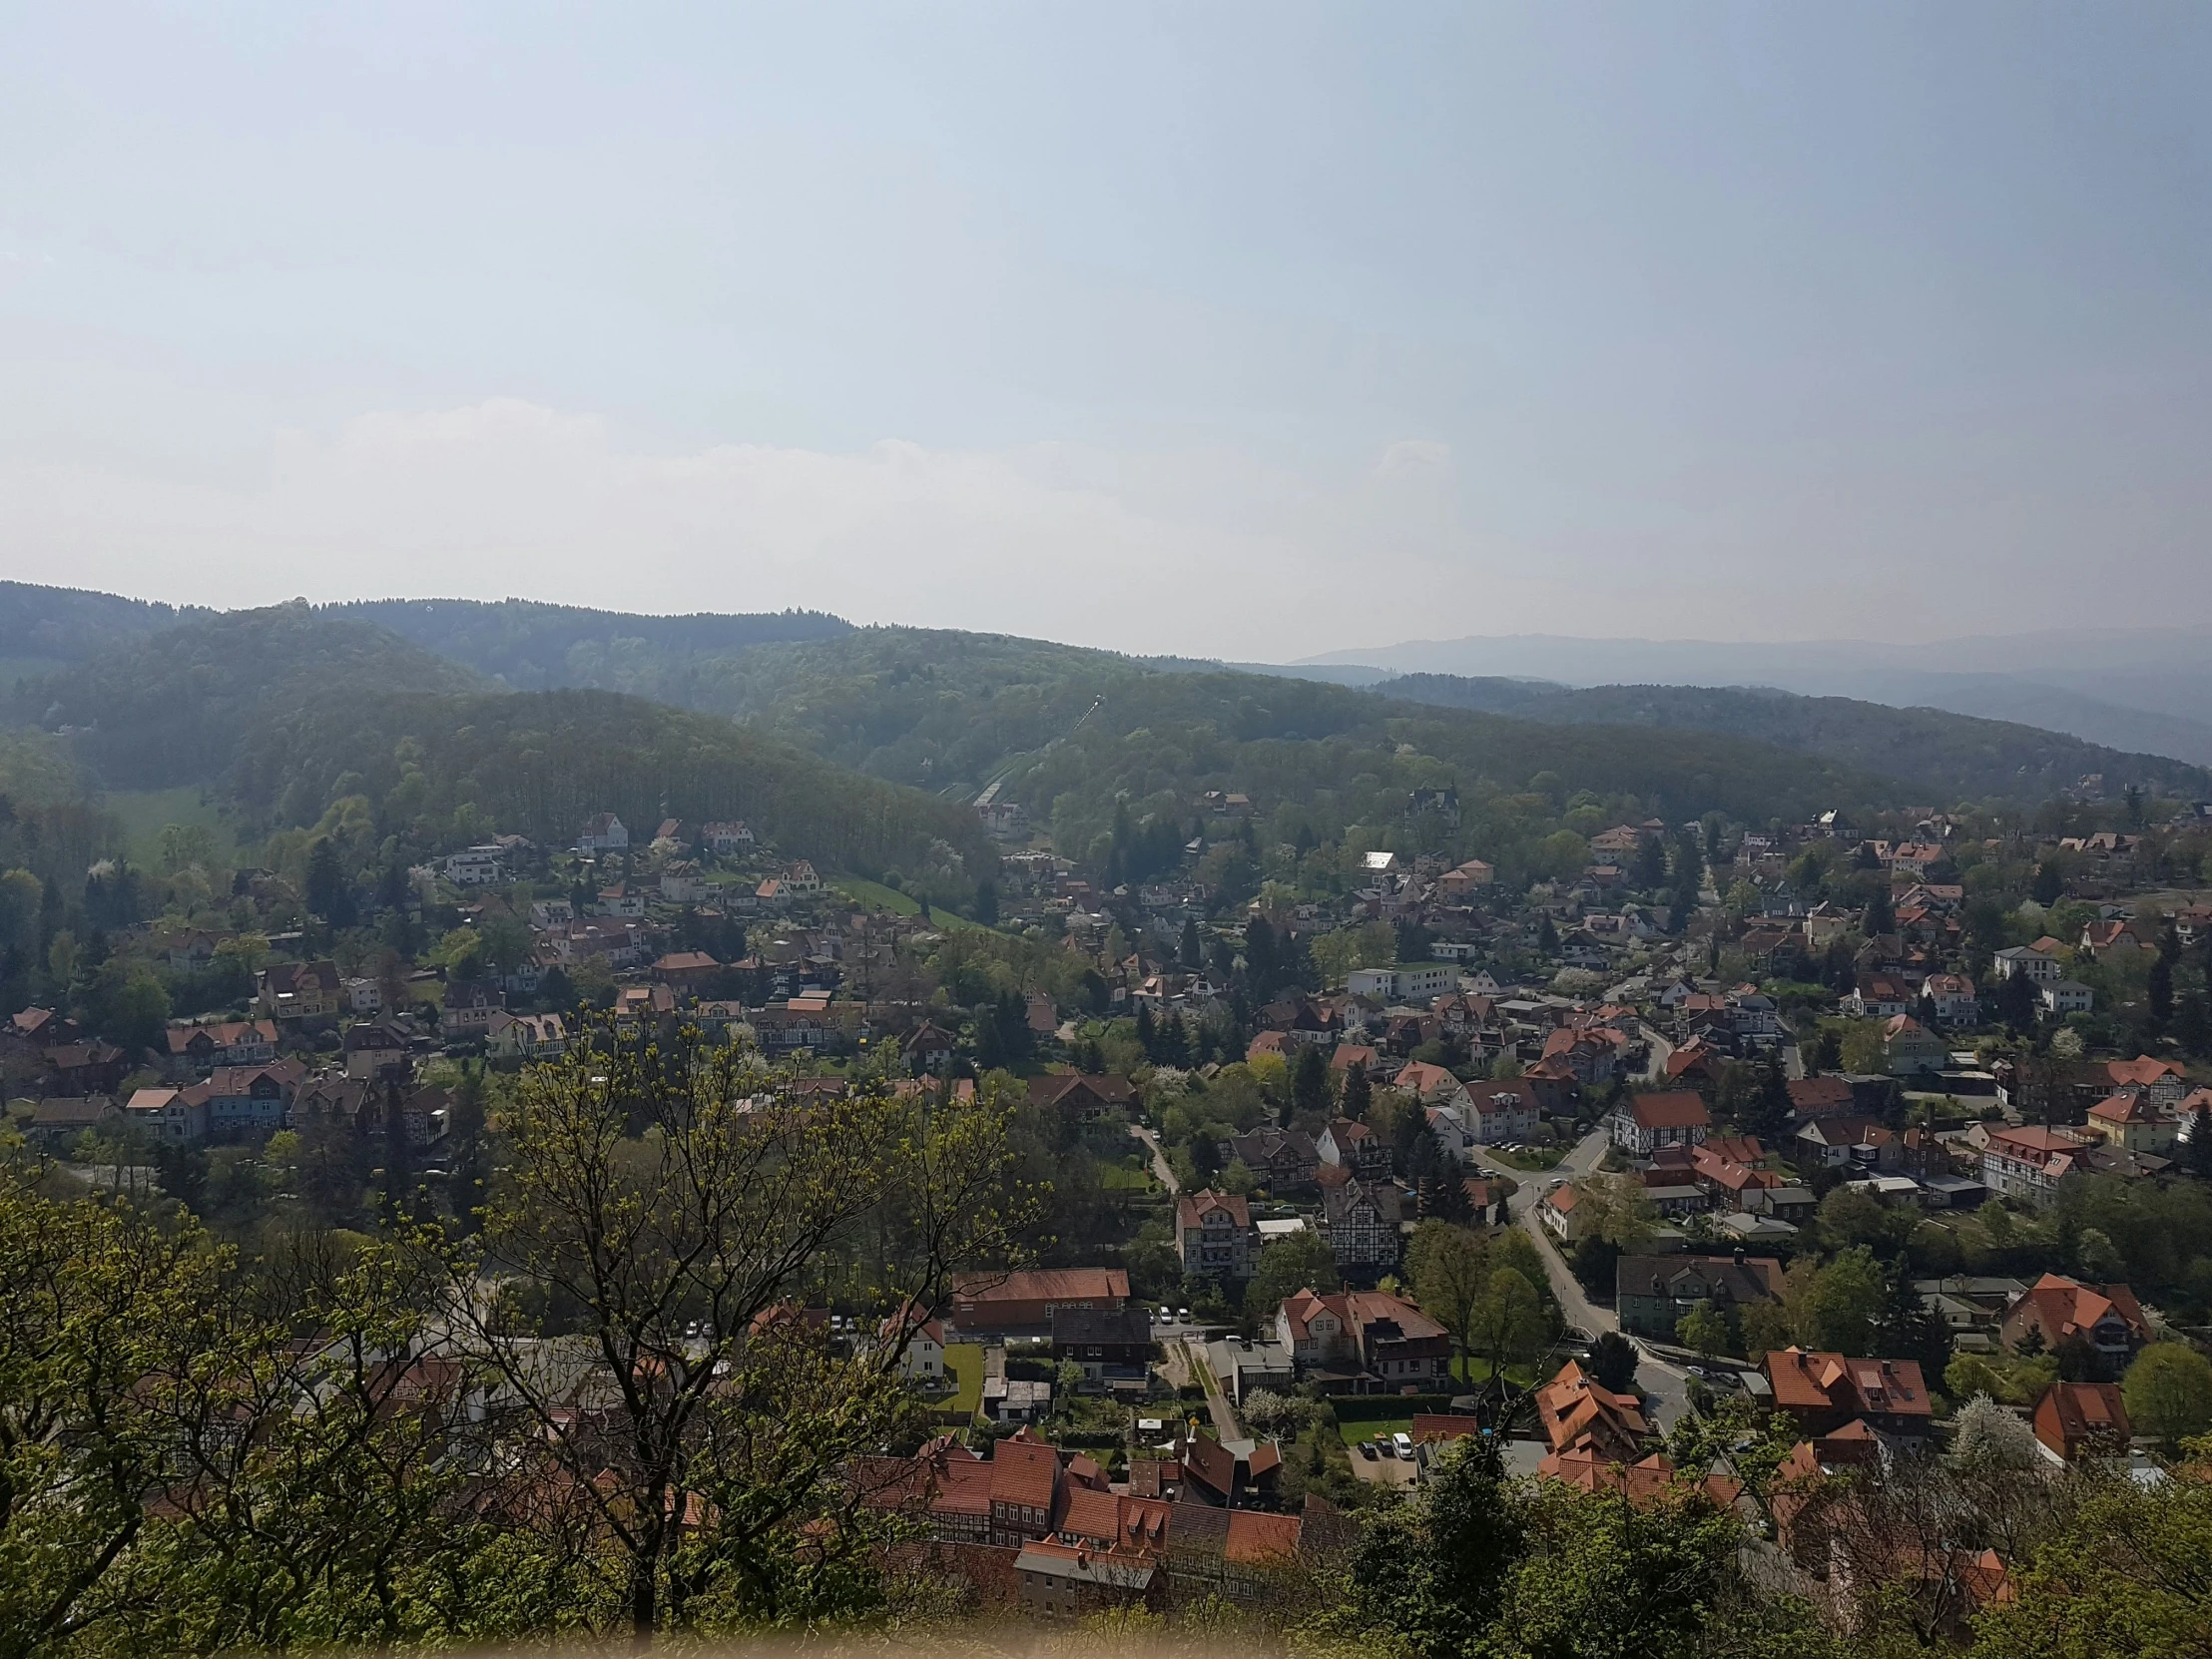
<point x="534" y="647"/>
<point x="288" y="711"/>
<point x="43" y="629"/>
<point x="173" y="707"/>
<point x="1939" y="757"/>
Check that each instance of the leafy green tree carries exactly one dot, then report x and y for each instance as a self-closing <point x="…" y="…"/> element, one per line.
<point x="2198" y="1150"/>
<point x="1909" y="1329"/>
<point x="1430" y="1574"/>
<point x="1309" y="1083"/>
<point x="1834" y="1308"/>
<point x="1604" y="1577"/>
<point x="646" y="1187"/>
<point x="1612" y="1363"/>
<point x="1508" y="1321"/>
<point x="1301" y="1261"/>
<point x="1704" y="1329"/>
<point x="2125" y="1575"/>
<point x="22" y="897"/>
<point x="1449" y="1267"/>
<point x="2169" y="1393"/>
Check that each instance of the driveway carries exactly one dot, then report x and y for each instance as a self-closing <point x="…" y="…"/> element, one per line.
<point x="1158" y="1159"/>
<point x="1225" y="1425"/>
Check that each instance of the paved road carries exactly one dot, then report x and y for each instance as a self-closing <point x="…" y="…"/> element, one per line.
<point x="1158" y="1159"/>
<point x="1664" y="1386"/>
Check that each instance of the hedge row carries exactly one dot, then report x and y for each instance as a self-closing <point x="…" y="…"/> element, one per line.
<point x="1382" y="1407"/>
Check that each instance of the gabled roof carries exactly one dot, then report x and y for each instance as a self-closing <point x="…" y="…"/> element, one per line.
<point x="1675" y="1109"/>
<point x="1044" y="1285"/>
<point x="1024" y="1470"/>
<point x="2129" y="1107"/>
<point x="1809" y="1381"/>
<point x="1196" y="1208"/>
<point x="2084" y="1412"/>
<point x="2065" y="1307"/>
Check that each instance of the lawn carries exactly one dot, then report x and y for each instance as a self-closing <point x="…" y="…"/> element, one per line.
<point x="876" y="896"/>
<point x="145" y="811"/>
<point x="1126" y="1178"/>
<point x="965" y="1360"/>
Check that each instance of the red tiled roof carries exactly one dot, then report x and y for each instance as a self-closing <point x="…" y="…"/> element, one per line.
<point x="1256" y="1537"/>
<point x="1044" y="1285"/>
<point x="1676" y="1109"/>
<point x="1192" y="1209"/>
<point x="1815" y="1382"/>
<point x="1025" y="1471"/>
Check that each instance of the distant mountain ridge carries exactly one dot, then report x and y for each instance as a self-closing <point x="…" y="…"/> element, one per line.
<point x="1944" y="755"/>
<point x="2140" y="691"/>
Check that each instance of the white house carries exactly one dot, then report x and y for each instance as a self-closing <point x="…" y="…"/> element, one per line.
<point x="1643" y="1123"/>
<point x="1403" y="981"/>
<point x="727" y="837"/>
<point x="2024" y="959"/>
<point x="1500" y="1115"/>
<point x="476" y="866"/>
<point x="2067" y="996"/>
<point x="602" y="834"/>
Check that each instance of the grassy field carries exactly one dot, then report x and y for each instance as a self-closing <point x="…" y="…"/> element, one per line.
<point x="145" y="811"/>
<point x="1126" y="1178"/>
<point x="1542" y="1156"/>
<point x="965" y="1361"/>
<point x="876" y="896"/>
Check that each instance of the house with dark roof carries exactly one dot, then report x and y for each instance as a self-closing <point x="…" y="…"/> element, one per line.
<point x="1285" y="1160"/>
<point x="1112" y="1344"/>
<point x="1360" y="1218"/>
<point x="1081" y="1097"/>
<point x="1652" y="1293"/>
<point x="57" y="1121"/>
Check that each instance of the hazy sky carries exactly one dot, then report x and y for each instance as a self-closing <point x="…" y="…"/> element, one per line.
<point x="1251" y="330"/>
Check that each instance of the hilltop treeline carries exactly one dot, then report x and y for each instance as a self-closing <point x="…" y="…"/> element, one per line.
<point x="289" y="712"/>
<point x="532" y="645"/>
<point x="1942" y="758"/>
<point x="540" y="762"/>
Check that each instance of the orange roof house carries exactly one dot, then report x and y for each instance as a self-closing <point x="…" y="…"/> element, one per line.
<point x="2059" y="1309"/>
<point x="2074" y="1417"/>
<point x="1823" y="1391"/>
<point x="1578" y="1414"/>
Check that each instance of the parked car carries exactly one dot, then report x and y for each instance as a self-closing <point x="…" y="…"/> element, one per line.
<point x="1366" y="1450"/>
<point x="1402" y="1443"/>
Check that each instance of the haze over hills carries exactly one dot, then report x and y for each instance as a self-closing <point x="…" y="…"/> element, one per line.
<point x="2138" y="690"/>
<point x="1069" y="733"/>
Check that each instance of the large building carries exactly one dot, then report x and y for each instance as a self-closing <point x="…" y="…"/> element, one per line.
<point x="1362" y="1341"/>
<point x="1002" y="1304"/>
<point x="1823" y="1391"/>
<point x="1213" y="1235"/>
<point x="1643" y="1123"/>
<point x="1652" y="1293"/>
<point x="2056" y="1311"/>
